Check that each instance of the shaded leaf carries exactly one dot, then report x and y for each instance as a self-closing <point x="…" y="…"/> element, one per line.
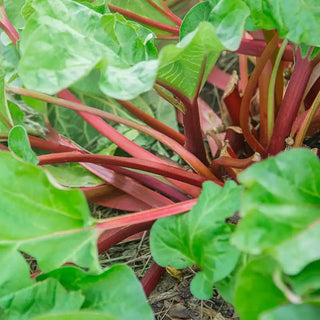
<point x="19" y="144"/>
<point x="200" y="237"/>
<point x="80" y="315"/>
<point x="116" y="291"/>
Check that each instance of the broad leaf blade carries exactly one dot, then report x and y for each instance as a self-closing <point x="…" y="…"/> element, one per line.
<point x="116" y="291"/>
<point x="200" y="237"/>
<point x="42" y="297"/>
<point x="80" y="315"/>
<point x="281" y="209"/>
<point x="83" y="43"/>
<point x="39" y="219"/>
<point x="181" y="65"/>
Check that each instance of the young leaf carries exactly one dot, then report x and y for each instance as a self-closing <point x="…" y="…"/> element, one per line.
<point x="200" y="237"/>
<point x="255" y="291"/>
<point x="180" y="65"/>
<point x="293" y="312"/>
<point x="39" y="219"/>
<point x="281" y="209"/>
<point x="115" y="291"/>
<point x="227" y="16"/>
<point x="64" y="41"/>
<point x="19" y="144"/>
<point x="42" y="297"/>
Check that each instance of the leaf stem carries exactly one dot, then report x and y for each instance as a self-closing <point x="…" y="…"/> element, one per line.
<point x="146" y="216"/>
<point x="133" y="163"/>
<point x="246" y="99"/>
<point x="291" y="102"/>
<point x="143" y="20"/>
<point x="168" y="13"/>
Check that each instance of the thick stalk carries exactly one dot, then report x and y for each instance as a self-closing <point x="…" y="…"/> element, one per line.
<point x="133" y="163"/>
<point x="146" y="216"/>
<point x="291" y="102"/>
<point x="246" y="99"/>
<point x="193" y="161"/>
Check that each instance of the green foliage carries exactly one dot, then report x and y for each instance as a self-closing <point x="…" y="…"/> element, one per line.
<point x="200" y="237"/>
<point x="119" y="55"/>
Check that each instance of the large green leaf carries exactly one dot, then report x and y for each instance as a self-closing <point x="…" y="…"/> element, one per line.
<point x="228" y="18"/>
<point x="64" y="41"/>
<point x="200" y="237"/>
<point x="42" y="297"/>
<point x="14" y="12"/>
<point x="40" y="220"/>
<point x="116" y="291"/>
<point x="255" y="291"/>
<point x="293" y="312"/>
<point x="181" y="65"/>
<point x="281" y="209"/>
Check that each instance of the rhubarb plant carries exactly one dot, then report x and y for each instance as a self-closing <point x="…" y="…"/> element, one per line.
<point x="100" y="102"/>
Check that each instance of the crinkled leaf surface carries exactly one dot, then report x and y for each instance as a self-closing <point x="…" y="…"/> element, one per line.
<point x="19" y="144"/>
<point x="255" y="291"/>
<point x="281" y="209"/>
<point x="40" y="220"/>
<point x="181" y="64"/>
<point x="116" y="291"/>
<point x="293" y="312"/>
<point x="200" y="237"/>
<point x="64" y="41"/>
<point x="42" y="297"/>
<point x="297" y="20"/>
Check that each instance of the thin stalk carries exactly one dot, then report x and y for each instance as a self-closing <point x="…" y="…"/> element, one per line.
<point x="143" y="20"/>
<point x="167" y="13"/>
<point x="291" y="102"/>
<point x="171" y="99"/>
<point x="133" y="163"/>
<point x="246" y="99"/>
<point x="235" y="162"/>
<point x="8" y="28"/>
<point x="168" y="10"/>
<point x="306" y="123"/>
<point x="193" y="161"/>
<point x="160" y="36"/>
<point x="151" y="278"/>
<point x="271" y="91"/>
<point x="146" y="216"/>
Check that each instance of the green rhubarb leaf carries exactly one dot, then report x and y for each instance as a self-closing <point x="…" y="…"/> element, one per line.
<point x="281" y="209"/>
<point x="292" y="312"/>
<point x="117" y="55"/>
<point x="15" y="271"/>
<point x="42" y="297"/>
<point x="79" y="315"/>
<point x="228" y="17"/>
<point x="73" y="175"/>
<point x="255" y="290"/>
<point x="144" y="9"/>
<point x="19" y="144"/>
<point x="200" y="237"/>
<point x="307" y="282"/>
<point x="39" y="219"/>
<point x="97" y="5"/>
<point x="181" y="65"/>
<point x="116" y="291"/>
